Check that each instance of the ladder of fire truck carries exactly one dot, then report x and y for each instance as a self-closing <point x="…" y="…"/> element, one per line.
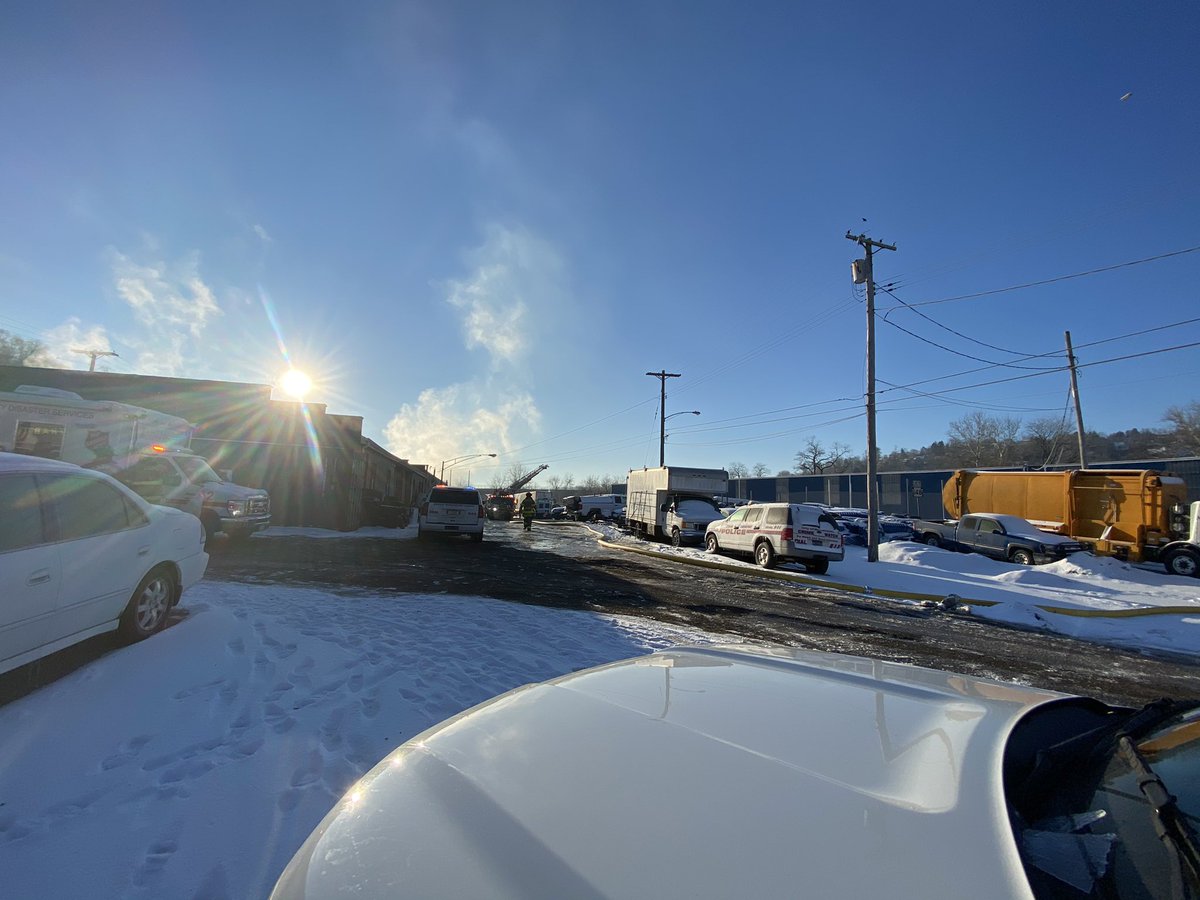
<point x="525" y="479"/>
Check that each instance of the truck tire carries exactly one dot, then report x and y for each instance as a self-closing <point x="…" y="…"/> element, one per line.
<point x="1182" y="562"/>
<point x="931" y="539"/>
<point x="764" y="554"/>
<point x="1021" y="556"/>
<point x="211" y="526"/>
<point x="817" y="566"/>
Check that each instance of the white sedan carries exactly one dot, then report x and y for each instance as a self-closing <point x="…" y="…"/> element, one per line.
<point x="738" y="772"/>
<point x="81" y="554"/>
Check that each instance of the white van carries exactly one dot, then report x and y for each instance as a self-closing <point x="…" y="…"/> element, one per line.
<point x="595" y="506"/>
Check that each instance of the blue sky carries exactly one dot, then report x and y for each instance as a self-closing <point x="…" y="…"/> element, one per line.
<point x="479" y="224"/>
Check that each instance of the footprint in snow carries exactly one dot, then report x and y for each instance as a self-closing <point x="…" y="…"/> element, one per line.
<point x="158" y="855"/>
<point x="126" y="753"/>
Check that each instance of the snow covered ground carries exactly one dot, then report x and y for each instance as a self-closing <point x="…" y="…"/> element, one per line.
<point x="1093" y="598"/>
<point x="194" y="764"/>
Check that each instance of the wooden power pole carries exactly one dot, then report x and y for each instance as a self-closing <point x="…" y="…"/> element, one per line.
<point x="662" y="414"/>
<point x="865" y="272"/>
<point x="1078" y="405"/>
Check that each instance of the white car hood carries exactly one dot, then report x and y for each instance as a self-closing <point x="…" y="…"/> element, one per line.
<point x="695" y="773"/>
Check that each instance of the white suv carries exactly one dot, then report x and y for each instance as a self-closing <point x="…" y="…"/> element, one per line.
<point x="450" y="510"/>
<point x="775" y="531"/>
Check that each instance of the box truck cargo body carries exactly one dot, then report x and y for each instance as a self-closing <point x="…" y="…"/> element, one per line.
<point x="673" y="502"/>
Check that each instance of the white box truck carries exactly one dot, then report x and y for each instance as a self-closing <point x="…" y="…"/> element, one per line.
<point x="673" y="503"/>
<point x="144" y="449"/>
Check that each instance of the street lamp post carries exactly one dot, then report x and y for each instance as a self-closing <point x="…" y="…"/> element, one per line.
<point x="458" y="459"/>
<point x="662" y="441"/>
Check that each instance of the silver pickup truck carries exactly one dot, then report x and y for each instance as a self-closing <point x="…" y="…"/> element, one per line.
<point x="186" y="481"/>
<point x="1009" y="538"/>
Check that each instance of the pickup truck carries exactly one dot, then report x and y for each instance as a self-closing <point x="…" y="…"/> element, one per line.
<point x="999" y="536"/>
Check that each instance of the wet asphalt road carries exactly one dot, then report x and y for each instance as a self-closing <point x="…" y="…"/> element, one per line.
<point x="563" y="566"/>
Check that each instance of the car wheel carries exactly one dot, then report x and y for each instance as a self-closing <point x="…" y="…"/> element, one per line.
<point x="710" y="543"/>
<point x="1021" y="557"/>
<point x="1182" y="562"/>
<point x="148" y="607"/>
<point x="817" y="566"/>
<point x="764" y="554"/>
<point x="594" y="516"/>
<point x="676" y="537"/>
<point x="931" y="539"/>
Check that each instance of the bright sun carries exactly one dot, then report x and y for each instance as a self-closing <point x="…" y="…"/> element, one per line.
<point x="295" y="383"/>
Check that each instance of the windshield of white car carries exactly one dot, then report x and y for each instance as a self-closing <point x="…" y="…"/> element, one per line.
<point x="1121" y="796"/>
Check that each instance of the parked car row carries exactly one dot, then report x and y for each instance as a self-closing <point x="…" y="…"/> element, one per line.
<point x="82" y="555"/>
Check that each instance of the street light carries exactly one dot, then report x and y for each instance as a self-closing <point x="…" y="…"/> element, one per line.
<point x="662" y="443"/>
<point x="458" y="459"/>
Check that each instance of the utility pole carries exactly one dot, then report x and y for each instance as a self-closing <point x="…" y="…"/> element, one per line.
<point x="93" y="354"/>
<point x="866" y="273"/>
<point x="662" y="414"/>
<point x="1078" y="406"/>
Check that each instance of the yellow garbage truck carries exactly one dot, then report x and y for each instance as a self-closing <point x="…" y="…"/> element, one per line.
<point x="1134" y="514"/>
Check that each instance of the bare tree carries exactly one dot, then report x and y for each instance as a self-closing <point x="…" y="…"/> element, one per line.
<point x="1044" y="435"/>
<point x="760" y="470"/>
<point x="556" y="483"/>
<point x="1186" y="420"/>
<point x="983" y="439"/>
<point x="1008" y="429"/>
<point x="514" y="473"/>
<point x="568" y="481"/>
<point x="592" y="485"/>
<point x="783" y="473"/>
<point x="737" y="470"/>
<point x="813" y="458"/>
<point x="16" y="351"/>
<point x="975" y="434"/>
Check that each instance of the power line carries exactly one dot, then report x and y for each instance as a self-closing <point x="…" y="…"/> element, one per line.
<point x="1045" y="281"/>
<point x="1099" y="362"/>
<point x="1096" y="343"/>
<point x="943" y="327"/>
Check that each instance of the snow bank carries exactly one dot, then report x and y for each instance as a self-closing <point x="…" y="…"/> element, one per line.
<point x="1093" y="598"/>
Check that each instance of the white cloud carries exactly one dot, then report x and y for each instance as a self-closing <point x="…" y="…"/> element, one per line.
<point x="63" y="342"/>
<point x="263" y="235"/>
<point x="516" y="284"/>
<point x="461" y="419"/>
<point x="514" y="271"/>
<point x="172" y="304"/>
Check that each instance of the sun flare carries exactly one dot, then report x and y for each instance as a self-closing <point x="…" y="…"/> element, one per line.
<point x="295" y="383"/>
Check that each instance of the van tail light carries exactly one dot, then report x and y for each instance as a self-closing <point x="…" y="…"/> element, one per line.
<point x="482" y="512"/>
<point x="424" y="509"/>
<point x="787" y="534"/>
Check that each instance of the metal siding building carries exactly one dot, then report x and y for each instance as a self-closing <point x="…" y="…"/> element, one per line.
<point x="916" y="494"/>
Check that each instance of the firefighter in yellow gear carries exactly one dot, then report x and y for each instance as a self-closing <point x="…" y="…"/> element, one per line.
<point x="528" y="511"/>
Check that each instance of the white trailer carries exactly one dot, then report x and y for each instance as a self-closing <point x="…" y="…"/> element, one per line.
<point x="673" y="502"/>
<point x="55" y="424"/>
